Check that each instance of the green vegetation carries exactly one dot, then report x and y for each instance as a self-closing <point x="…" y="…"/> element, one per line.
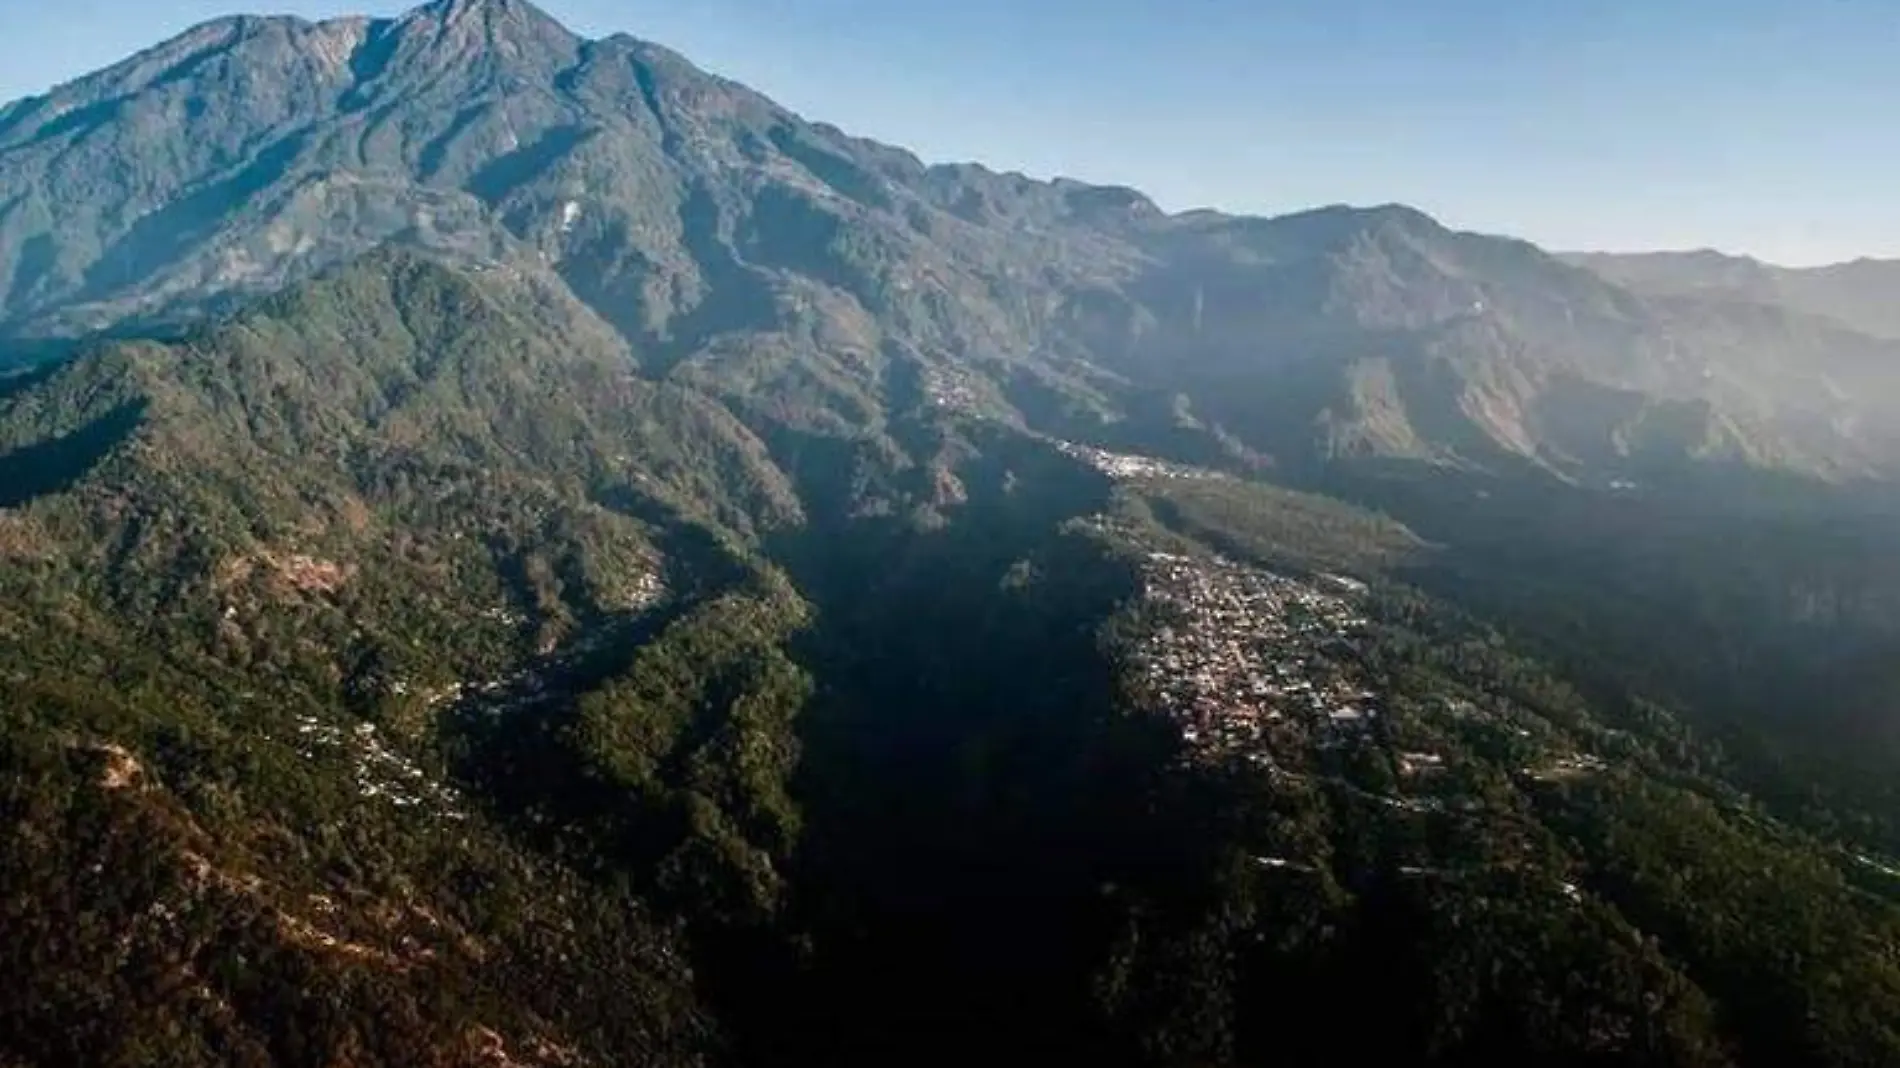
<point x="393" y="675"/>
<point x="645" y="605"/>
<point x="1279" y="527"/>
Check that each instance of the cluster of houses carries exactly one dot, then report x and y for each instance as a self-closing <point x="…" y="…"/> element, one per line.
<point x="1264" y="668"/>
<point x="379" y="770"/>
<point x="1571" y="766"/>
<point x="946" y="389"/>
<point x="1245" y="660"/>
<point x="1127" y="465"/>
<point x="645" y="590"/>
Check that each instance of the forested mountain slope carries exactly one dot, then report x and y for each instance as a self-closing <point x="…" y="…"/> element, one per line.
<point x="248" y="575"/>
<point x="481" y="695"/>
<point x="514" y="550"/>
<point x="735" y="243"/>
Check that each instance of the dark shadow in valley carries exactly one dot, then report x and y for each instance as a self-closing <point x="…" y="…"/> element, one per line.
<point x="612" y="274"/>
<point x="434" y="155"/>
<point x="51" y="466"/>
<point x="15" y="115"/>
<point x="38" y="256"/>
<point x="38" y="370"/>
<point x="499" y="178"/>
<point x="841" y="174"/>
<point x="1763" y="605"/>
<point x="969" y="781"/>
<point x="84" y="118"/>
<point x="372" y="57"/>
<point x="510" y="735"/>
<point x="166" y="234"/>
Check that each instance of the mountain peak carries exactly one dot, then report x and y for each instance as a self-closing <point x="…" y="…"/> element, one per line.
<point x="509" y="26"/>
<point x="489" y="14"/>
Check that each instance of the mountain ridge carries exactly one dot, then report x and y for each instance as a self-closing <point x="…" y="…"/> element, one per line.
<point x="557" y="560"/>
<point x="721" y="234"/>
<point x="549" y="708"/>
<point x="1858" y="294"/>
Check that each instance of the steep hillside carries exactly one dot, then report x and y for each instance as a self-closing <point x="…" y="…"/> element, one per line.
<point x="400" y="677"/>
<point x="344" y="424"/>
<point x="514" y="550"/>
<point x="247" y="576"/>
<point x="745" y="249"/>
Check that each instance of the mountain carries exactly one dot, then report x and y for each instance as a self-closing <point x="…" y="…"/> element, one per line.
<point x="1409" y="340"/>
<point x="411" y="681"/>
<point x="731" y="241"/>
<point x="1858" y="295"/>
<point x="263" y="559"/>
<point x="514" y="550"/>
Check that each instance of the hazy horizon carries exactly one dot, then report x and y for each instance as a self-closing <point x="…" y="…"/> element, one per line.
<point x="1621" y="129"/>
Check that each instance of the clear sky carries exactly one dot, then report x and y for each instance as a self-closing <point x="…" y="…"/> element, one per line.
<point x="1763" y="126"/>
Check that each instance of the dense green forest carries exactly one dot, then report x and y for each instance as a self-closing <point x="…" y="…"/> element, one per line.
<point x="393" y="678"/>
<point x="517" y="551"/>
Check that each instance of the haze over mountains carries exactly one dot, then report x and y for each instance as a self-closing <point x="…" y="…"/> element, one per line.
<point x="709" y="225"/>
<point x="1858" y="295"/>
<point x="515" y="550"/>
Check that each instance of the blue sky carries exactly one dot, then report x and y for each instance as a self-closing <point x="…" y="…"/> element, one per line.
<point x="1763" y="126"/>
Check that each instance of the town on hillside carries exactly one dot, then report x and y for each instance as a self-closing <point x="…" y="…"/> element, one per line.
<point x="1248" y="662"/>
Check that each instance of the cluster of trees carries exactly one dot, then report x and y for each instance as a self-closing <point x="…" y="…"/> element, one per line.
<point x="868" y="784"/>
<point x="183" y="882"/>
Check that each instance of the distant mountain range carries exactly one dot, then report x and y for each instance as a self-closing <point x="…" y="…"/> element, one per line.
<point x="515" y="550"/>
<point x="1863" y="295"/>
<point x="726" y="238"/>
